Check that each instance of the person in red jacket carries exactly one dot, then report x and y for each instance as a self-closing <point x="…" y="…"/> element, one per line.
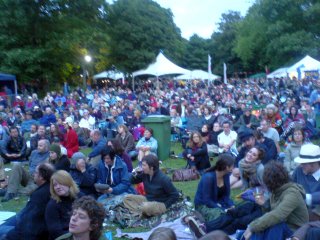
<point x="70" y="140"/>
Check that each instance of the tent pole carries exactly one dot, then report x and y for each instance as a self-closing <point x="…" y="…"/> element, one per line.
<point x="15" y="88"/>
<point x="157" y="82"/>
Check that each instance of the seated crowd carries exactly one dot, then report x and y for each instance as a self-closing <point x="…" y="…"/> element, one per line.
<point x="43" y="144"/>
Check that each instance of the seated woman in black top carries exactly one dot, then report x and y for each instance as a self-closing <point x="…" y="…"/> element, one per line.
<point x="196" y="153"/>
<point x="63" y="192"/>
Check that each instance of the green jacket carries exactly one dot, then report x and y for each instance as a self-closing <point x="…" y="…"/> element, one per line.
<point x="287" y="205"/>
<point x="67" y="236"/>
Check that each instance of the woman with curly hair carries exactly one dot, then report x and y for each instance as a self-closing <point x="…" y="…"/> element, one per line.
<point x="196" y="153"/>
<point x="86" y="220"/>
<point x="288" y="210"/>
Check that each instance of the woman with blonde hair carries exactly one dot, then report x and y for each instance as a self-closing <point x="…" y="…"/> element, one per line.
<point x="63" y="192"/>
<point x="196" y="153"/>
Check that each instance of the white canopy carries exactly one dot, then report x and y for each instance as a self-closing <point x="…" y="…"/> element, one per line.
<point x="198" y="74"/>
<point x="280" y="72"/>
<point x="162" y="66"/>
<point x="305" y="64"/>
<point x="115" y="75"/>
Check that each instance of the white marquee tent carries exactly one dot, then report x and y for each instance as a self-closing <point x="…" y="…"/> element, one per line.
<point x="198" y="74"/>
<point x="305" y="64"/>
<point x="115" y="75"/>
<point x="162" y="66"/>
<point x="280" y="72"/>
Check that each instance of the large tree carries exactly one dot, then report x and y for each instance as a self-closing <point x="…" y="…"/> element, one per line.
<point x="222" y="43"/>
<point x="138" y="30"/>
<point x="46" y="40"/>
<point x="277" y="33"/>
<point x="196" y="55"/>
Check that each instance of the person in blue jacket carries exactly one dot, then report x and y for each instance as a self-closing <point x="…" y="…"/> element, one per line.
<point x="113" y="171"/>
<point x="213" y="192"/>
<point x="48" y="117"/>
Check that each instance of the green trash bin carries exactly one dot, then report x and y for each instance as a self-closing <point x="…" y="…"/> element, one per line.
<point x="160" y="124"/>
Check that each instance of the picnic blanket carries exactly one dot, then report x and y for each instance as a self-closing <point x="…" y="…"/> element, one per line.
<point x="181" y="231"/>
<point x="126" y="219"/>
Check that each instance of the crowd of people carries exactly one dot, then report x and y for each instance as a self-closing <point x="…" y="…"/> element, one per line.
<point x="261" y="130"/>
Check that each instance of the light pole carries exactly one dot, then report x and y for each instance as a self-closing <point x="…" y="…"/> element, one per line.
<point x="87" y="59"/>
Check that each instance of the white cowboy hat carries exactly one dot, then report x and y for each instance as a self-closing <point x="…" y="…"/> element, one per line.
<point x="309" y="153"/>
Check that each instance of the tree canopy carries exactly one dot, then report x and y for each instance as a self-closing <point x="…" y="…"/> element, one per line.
<point x="47" y="40"/>
<point x="277" y="33"/>
<point x="138" y="30"/>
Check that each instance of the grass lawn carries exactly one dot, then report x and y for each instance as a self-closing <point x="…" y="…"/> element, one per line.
<point x="188" y="188"/>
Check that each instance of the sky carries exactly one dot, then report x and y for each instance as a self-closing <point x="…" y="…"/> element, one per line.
<point x="201" y="16"/>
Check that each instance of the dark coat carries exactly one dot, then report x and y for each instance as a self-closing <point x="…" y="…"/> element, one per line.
<point x="14" y="146"/>
<point x="159" y="188"/>
<point x="58" y="216"/>
<point x="31" y="219"/>
<point x="201" y="157"/>
<point x="85" y="180"/>
<point x="63" y="163"/>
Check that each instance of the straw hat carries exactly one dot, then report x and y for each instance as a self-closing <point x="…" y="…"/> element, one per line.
<point x="309" y="153"/>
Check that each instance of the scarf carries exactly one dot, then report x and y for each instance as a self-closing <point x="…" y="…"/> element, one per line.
<point x="250" y="172"/>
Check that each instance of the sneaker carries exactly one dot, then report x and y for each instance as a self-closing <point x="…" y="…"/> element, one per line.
<point x="195" y="228"/>
<point x="8" y="197"/>
<point x="194" y="214"/>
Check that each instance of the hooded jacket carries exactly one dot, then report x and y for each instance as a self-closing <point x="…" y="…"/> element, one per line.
<point x="120" y="182"/>
<point x="287" y="205"/>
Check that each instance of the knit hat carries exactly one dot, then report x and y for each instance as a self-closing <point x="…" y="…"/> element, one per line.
<point x="55" y="148"/>
<point x="76" y="156"/>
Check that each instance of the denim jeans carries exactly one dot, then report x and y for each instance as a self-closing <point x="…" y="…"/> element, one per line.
<point x="8" y="225"/>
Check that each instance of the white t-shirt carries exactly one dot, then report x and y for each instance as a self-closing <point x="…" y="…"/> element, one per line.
<point x="227" y="139"/>
<point x="273" y="134"/>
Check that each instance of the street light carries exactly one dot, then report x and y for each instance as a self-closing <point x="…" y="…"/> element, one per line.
<point x="87" y="59"/>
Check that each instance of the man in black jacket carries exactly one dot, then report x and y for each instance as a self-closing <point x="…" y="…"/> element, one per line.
<point x="14" y="148"/>
<point x="29" y="223"/>
<point x="160" y="192"/>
